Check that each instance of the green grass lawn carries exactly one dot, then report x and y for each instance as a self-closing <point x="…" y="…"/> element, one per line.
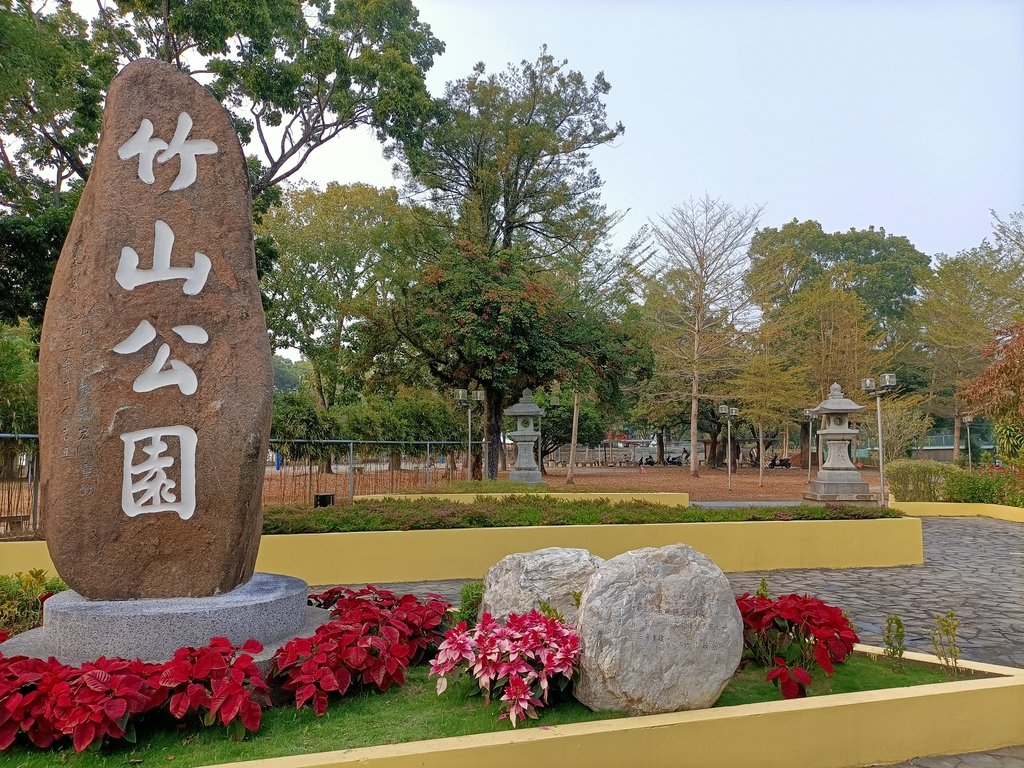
<point x="409" y="713"/>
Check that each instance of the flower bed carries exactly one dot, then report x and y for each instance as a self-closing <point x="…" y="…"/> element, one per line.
<point x="371" y="646"/>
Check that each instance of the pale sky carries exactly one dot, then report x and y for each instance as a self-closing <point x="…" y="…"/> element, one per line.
<point x="905" y="114"/>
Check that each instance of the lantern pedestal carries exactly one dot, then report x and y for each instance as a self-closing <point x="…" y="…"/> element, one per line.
<point x="838" y="478"/>
<point x="525" y="437"/>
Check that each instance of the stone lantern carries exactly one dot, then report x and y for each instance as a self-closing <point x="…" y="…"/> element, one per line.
<point x="838" y="478"/>
<point x="525" y="436"/>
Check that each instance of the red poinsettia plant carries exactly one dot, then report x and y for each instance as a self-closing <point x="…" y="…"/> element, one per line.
<point x="373" y="636"/>
<point x="791" y="633"/>
<point x="48" y="701"/>
<point x="521" y="660"/>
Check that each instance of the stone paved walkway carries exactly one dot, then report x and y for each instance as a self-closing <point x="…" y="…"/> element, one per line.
<point x="974" y="566"/>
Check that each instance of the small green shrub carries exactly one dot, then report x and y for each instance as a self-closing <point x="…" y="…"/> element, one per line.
<point x="577" y="597"/>
<point x="547" y="609"/>
<point x="470" y="597"/>
<point x="762" y="588"/>
<point x="894" y="636"/>
<point x="918" y="480"/>
<point x="971" y="488"/>
<point x="944" y="641"/>
<point x="22" y="596"/>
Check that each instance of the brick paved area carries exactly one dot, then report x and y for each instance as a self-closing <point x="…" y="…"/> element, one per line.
<point x="974" y="566"/>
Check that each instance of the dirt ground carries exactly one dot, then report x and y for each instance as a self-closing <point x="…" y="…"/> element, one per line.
<point x="712" y="485"/>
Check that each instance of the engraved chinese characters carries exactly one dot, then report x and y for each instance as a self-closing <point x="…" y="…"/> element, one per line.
<point x="155" y="377"/>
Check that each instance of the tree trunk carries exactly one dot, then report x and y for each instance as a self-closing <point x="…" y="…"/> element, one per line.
<point x="805" y="444"/>
<point x="659" y="447"/>
<point x="760" y="453"/>
<point x="956" y="431"/>
<point x="569" y="479"/>
<point x="493" y="402"/>
<point x="694" y="402"/>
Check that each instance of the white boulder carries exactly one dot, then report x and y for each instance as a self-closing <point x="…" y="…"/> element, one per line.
<point x="660" y="632"/>
<point x="519" y="583"/>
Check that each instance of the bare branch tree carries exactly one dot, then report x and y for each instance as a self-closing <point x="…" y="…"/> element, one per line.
<point x="706" y="305"/>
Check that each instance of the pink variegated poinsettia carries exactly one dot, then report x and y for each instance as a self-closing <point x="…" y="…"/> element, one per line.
<point x="518" y="660"/>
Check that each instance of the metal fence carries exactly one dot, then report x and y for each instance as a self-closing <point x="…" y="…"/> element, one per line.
<point x="302" y="472"/>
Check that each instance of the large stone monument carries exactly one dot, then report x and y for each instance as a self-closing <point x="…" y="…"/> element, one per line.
<point x="838" y="478"/>
<point x="525" y="437"/>
<point x="155" y="388"/>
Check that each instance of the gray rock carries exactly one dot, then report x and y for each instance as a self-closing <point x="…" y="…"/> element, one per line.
<point x="520" y="582"/>
<point x="660" y="632"/>
<point x="269" y="608"/>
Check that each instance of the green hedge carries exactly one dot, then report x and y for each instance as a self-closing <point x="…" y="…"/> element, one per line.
<point x="911" y="480"/>
<point x="420" y="514"/>
<point x="914" y="480"/>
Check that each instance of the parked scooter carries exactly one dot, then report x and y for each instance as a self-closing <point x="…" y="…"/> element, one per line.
<point x="777" y="463"/>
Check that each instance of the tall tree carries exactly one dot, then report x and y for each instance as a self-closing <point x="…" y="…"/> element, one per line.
<point x="882" y="269"/>
<point x="294" y="76"/>
<point x="699" y="298"/>
<point x="506" y="161"/>
<point x="961" y="305"/>
<point x="331" y="244"/>
<point x="773" y="390"/>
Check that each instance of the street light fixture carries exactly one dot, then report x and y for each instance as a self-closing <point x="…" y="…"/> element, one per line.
<point x="967" y="420"/>
<point x="886" y="384"/>
<point x="730" y="415"/>
<point x="466" y="399"/>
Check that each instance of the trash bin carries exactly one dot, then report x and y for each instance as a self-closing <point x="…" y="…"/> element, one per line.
<point x="323" y="500"/>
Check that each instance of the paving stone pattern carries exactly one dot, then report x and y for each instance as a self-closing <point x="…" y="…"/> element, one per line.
<point x="974" y="566"/>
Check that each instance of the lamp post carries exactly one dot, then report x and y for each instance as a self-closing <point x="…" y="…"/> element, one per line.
<point x="809" y="415"/>
<point x="967" y="420"/>
<point x="465" y="399"/>
<point x="886" y="383"/>
<point x="730" y="415"/>
<point x="554" y="400"/>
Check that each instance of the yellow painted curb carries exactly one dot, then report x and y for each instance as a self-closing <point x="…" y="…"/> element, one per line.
<point x="388" y="556"/>
<point x="951" y="509"/>
<point x="838" y="731"/>
<point x="668" y="499"/>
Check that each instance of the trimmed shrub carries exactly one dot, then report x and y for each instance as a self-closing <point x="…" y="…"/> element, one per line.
<point x="918" y="480"/>
<point x="971" y="488"/>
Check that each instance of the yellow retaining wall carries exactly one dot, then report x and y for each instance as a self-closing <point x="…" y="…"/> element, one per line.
<point x="951" y="509"/>
<point x="385" y="556"/>
<point x="668" y="499"/>
<point x="836" y="731"/>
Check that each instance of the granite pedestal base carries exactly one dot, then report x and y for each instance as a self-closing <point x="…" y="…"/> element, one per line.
<point x="839" y="485"/>
<point x="269" y="608"/>
<point x="531" y="476"/>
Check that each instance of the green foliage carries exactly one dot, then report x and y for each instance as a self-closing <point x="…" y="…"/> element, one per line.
<point x="577" y="597"/>
<point x="21" y="595"/>
<point x="527" y="510"/>
<point x="968" y="487"/>
<point x="918" y="480"/>
<point x="557" y="425"/>
<point x="470" y="597"/>
<point x="943" y="637"/>
<point x="547" y="609"/>
<point x="881" y="269"/>
<point x="287" y="374"/>
<point x="893" y="636"/>
<point x="18" y="380"/>
<point x="762" y="588"/>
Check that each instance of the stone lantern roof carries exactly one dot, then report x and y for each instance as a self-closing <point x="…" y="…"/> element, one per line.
<point x="837" y="403"/>
<point x="525" y="407"/>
